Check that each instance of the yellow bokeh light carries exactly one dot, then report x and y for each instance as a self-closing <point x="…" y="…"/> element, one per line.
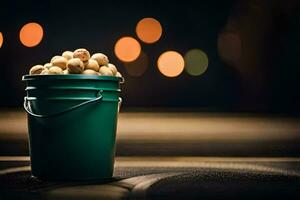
<point x="170" y="63"/>
<point x="127" y="49"/>
<point x="1" y="39"/>
<point x="31" y="34"/>
<point x="148" y="30"/>
<point x="196" y="62"/>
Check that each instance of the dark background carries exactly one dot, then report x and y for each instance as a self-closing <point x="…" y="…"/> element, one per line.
<point x="262" y="78"/>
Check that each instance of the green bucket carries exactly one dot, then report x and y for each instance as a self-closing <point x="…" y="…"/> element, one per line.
<point x="72" y="121"/>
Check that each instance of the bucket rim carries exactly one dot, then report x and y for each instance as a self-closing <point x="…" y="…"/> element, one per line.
<point x="72" y="76"/>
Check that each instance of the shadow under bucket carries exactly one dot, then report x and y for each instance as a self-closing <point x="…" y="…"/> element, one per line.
<point x="72" y="121"/>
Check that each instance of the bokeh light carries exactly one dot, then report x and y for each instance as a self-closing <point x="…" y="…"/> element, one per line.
<point x="148" y="30"/>
<point x="230" y="48"/>
<point x="170" y="63"/>
<point x="1" y="39"/>
<point x="127" y="49"/>
<point x="31" y="34"/>
<point x="196" y="62"/>
<point x="139" y="66"/>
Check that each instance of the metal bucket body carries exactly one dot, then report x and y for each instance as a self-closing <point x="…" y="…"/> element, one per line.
<point x="72" y="122"/>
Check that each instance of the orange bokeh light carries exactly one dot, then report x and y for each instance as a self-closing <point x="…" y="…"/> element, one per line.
<point x="148" y="30"/>
<point x="127" y="49"/>
<point x="31" y="34"/>
<point x="1" y="39"/>
<point x="170" y="63"/>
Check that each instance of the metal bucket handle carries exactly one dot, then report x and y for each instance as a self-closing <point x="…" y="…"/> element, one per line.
<point x="28" y="109"/>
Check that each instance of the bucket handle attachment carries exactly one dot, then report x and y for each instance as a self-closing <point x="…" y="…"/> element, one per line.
<point x="28" y="109"/>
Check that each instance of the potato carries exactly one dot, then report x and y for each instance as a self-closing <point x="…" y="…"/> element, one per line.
<point x="55" y="70"/>
<point x="48" y="65"/>
<point x="113" y="68"/>
<point x="75" y="66"/>
<point x="53" y="58"/>
<point x="105" y="71"/>
<point x="100" y="58"/>
<point x="67" y="55"/>
<point x="60" y="62"/>
<point x="89" y="72"/>
<point x="78" y="62"/>
<point x="37" y="69"/>
<point x="45" y="72"/>
<point x="91" y="64"/>
<point x="82" y="54"/>
<point x="118" y="74"/>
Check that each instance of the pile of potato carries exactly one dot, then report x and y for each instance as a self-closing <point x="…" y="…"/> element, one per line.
<point x="77" y="62"/>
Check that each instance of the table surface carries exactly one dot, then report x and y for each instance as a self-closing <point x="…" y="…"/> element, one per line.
<point x="133" y="176"/>
<point x="208" y="156"/>
<point x="180" y="134"/>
